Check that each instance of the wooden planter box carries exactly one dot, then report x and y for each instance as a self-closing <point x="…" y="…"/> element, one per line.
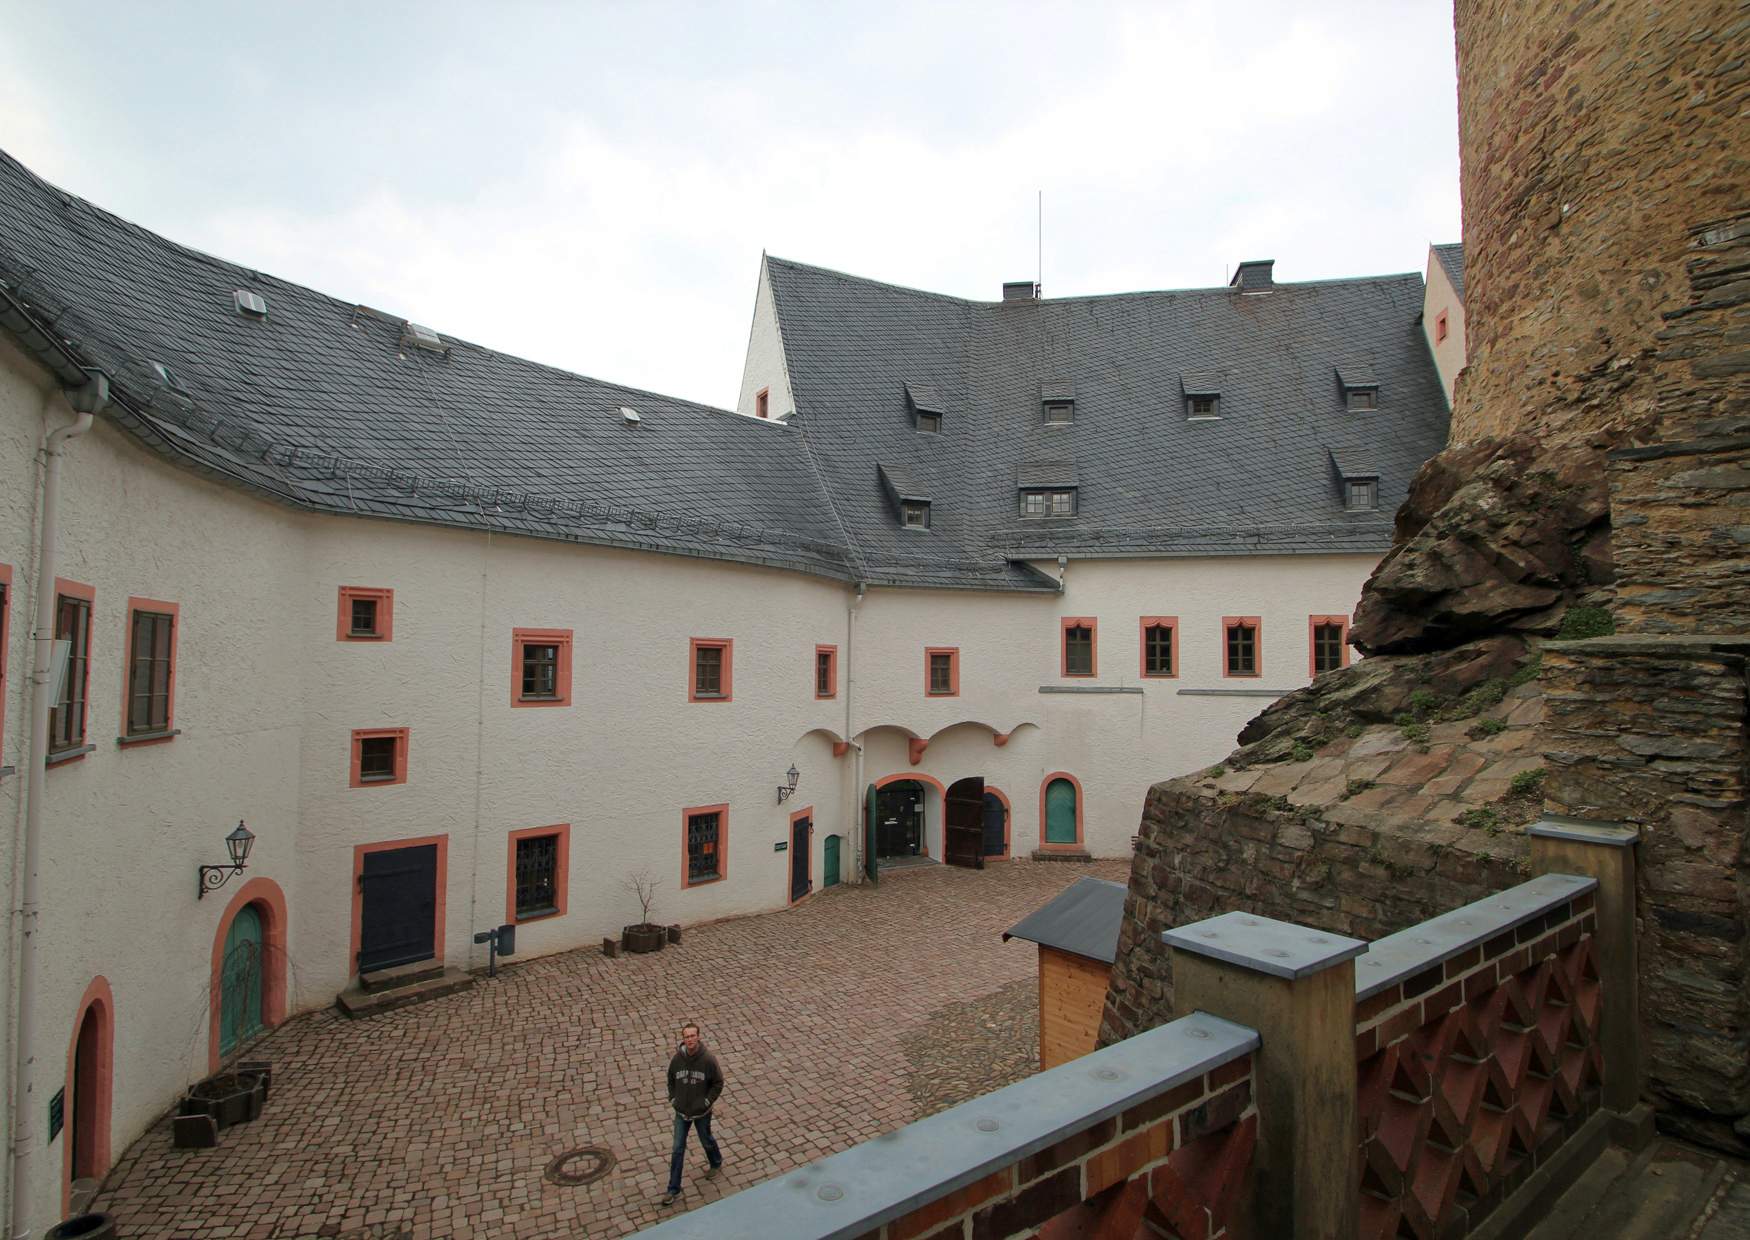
<point x="644" y="938"/>
<point x="233" y="1097"/>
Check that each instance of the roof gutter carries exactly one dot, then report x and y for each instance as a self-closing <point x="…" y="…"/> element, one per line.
<point x="87" y="399"/>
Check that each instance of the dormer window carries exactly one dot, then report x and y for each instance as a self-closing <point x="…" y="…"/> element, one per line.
<point x="1060" y="502"/>
<point x="1360" y="494"/>
<point x="914" y="514"/>
<point x="1059" y="412"/>
<point x="1202" y="392"/>
<point x="926" y="408"/>
<point x="1359" y="385"/>
<point x="1057" y="397"/>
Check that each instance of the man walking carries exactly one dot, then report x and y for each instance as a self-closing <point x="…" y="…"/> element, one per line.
<point x="694" y="1081"/>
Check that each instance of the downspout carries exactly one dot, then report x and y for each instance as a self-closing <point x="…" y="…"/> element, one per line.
<point x="86" y="400"/>
<point x="858" y="831"/>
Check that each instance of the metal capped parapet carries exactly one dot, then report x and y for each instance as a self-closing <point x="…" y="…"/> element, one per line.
<point x="1279" y="948"/>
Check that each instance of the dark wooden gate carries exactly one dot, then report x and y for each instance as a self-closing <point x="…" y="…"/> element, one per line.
<point x="399" y="888"/>
<point x="963" y="819"/>
<point x="801" y="830"/>
<point x="870" y="867"/>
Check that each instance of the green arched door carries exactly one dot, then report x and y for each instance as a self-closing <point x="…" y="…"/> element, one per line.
<point x="1060" y="812"/>
<point x="240" y="981"/>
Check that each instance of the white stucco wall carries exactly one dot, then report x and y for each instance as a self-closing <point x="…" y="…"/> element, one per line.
<point x="124" y="829"/>
<point x="1438" y="295"/>
<point x="765" y="366"/>
<point x="1115" y="744"/>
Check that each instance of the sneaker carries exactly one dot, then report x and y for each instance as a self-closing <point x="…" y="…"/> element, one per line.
<point x="711" y="1172"/>
<point x="668" y="1199"/>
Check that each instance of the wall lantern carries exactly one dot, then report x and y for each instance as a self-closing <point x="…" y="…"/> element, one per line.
<point x="785" y="790"/>
<point x="238" y="844"/>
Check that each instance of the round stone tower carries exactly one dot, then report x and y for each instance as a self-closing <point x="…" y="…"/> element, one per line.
<point x="1596" y="137"/>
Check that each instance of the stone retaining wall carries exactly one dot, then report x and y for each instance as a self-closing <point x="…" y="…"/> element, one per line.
<point x="1652" y="731"/>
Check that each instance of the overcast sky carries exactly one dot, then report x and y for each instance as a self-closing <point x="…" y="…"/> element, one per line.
<point x="592" y="185"/>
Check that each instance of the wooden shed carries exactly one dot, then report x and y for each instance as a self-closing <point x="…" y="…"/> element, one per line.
<point x="1077" y="934"/>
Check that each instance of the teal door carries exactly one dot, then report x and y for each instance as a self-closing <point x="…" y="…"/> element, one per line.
<point x="240" y="982"/>
<point x="829" y="862"/>
<point x="1060" y="812"/>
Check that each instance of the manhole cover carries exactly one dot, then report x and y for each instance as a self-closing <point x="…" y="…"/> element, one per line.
<point x="584" y="1165"/>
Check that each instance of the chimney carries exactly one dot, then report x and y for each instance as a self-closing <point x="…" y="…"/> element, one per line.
<point x="1020" y="290"/>
<point x="1253" y="276"/>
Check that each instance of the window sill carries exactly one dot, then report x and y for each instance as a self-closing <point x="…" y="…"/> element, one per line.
<point x="542" y="701"/>
<point x="7" y="770"/>
<point x="359" y="635"/>
<point x="537" y="914"/>
<point x="147" y="738"/>
<point x="378" y="781"/>
<point x="704" y="882"/>
<point x="710" y="697"/>
<point x="941" y="695"/>
<point x="69" y="755"/>
<point x="1090" y="688"/>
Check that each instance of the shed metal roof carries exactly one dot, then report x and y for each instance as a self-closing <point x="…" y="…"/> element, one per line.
<point x="1084" y="919"/>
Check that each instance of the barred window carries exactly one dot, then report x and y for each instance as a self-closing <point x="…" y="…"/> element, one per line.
<point x="364" y="617"/>
<point x="1078" y="650"/>
<point x="377" y="758"/>
<point x="537" y="875"/>
<point x="704" y="858"/>
<point x="708" y="671"/>
<point x="1242" y="650"/>
<point x="941" y="672"/>
<point x="1157" y="650"/>
<point x="149" y="672"/>
<point x="1327" y="647"/>
<point x="540" y="670"/>
<point x="67" y="718"/>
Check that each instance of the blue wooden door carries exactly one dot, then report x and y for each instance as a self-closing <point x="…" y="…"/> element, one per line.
<point x="397" y="921"/>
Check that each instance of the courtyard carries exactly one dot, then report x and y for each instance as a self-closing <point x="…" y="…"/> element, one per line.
<point x="849" y="1015"/>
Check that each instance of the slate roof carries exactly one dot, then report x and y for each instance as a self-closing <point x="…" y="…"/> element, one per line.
<point x="320" y="405"/>
<point x="1452" y="261"/>
<point x="1083" y="919"/>
<point x="330" y="406"/>
<point x="1258" y="479"/>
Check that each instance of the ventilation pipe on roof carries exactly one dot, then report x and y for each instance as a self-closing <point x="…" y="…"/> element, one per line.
<point x="86" y="400"/>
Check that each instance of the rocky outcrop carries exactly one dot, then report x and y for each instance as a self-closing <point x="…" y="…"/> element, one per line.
<point x="1496" y="537"/>
<point x="1364" y="835"/>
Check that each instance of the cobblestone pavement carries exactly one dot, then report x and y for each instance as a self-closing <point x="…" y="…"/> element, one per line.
<point x="849" y="1015"/>
<point x="971" y="1048"/>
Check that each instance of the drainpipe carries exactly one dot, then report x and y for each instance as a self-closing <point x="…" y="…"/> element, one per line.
<point x="857" y="810"/>
<point x="86" y="400"/>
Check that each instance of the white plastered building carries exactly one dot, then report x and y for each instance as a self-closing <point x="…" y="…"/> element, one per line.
<point x="467" y="641"/>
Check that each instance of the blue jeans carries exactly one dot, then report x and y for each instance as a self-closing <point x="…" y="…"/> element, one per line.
<point x="713" y="1155"/>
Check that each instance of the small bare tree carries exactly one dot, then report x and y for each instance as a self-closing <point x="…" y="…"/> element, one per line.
<point x="643" y="888"/>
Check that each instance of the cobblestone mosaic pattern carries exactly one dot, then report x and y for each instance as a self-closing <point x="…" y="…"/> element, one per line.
<point x="438" y="1120"/>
